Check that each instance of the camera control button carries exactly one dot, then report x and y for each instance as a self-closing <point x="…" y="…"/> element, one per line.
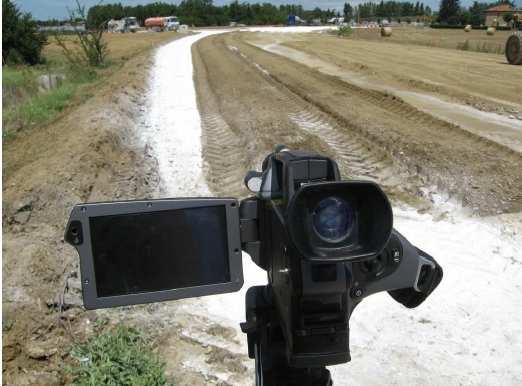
<point x="396" y="255"/>
<point x="357" y="292"/>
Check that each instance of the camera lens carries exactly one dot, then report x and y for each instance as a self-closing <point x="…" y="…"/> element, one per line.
<point x="332" y="219"/>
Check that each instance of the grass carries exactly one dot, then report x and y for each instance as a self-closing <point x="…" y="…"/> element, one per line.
<point x="24" y="106"/>
<point x="17" y="84"/>
<point x="122" y="356"/>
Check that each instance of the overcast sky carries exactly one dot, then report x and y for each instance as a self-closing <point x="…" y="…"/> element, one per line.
<point x="48" y="9"/>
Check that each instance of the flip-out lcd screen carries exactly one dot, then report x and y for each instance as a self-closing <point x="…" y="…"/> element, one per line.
<point x="136" y="253"/>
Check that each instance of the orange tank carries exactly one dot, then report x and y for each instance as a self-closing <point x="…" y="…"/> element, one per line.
<point x="155" y="22"/>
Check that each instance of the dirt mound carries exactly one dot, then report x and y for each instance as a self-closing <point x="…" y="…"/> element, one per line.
<point x="88" y="155"/>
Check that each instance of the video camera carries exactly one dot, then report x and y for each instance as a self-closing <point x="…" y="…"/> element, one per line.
<point x="326" y="244"/>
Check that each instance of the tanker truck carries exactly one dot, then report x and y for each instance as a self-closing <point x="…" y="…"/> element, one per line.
<point x="167" y="23"/>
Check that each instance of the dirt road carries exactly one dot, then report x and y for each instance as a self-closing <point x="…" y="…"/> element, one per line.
<point x="374" y="133"/>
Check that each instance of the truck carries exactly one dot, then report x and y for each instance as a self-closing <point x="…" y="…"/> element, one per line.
<point x="126" y="24"/>
<point x="166" y="23"/>
<point x="294" y="20"/>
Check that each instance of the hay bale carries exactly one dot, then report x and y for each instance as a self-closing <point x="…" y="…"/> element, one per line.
<point x="514" y="49"/>
<point x="467" y="28"/>
<point x="491" y="31"/>
<point x="386" y="31"/>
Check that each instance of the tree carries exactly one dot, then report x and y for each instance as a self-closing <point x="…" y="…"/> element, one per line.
<point x="347" y="12"/>
<point x="21" y="41"/>
<point x="93" y="49"/>
<point x="476" y="13"/>
<point x="449" y="11"/>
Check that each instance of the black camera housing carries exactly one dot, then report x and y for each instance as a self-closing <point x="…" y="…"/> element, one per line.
<point x="316" y="284"/>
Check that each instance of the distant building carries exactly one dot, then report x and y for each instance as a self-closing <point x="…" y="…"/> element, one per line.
<point x="495" y="15"/>
<point x="336" y="20"/>
<point x="67" y="27"/>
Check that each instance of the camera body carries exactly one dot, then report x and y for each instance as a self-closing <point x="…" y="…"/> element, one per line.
<point x="319" y="266"/>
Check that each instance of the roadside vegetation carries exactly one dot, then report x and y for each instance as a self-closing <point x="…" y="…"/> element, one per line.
<point x="63" y="73"/>
<point x="36" y="86"/>
<point x="344" y="30"/>
<point x="34" y="95"/>
<point x="21" y="42"/>
<point x="122" y="356"/>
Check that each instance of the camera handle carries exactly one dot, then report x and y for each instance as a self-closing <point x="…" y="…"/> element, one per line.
<point x="266" y="344"/>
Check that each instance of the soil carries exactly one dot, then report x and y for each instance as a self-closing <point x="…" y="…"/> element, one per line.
<point x="372" y="133"/>
<point x="269" y="114"/>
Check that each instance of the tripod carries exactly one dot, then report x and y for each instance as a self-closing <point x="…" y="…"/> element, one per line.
<point x="266" y="344"/>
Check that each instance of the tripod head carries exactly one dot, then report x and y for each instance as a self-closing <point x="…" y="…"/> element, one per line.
<point x="326" y="244"/>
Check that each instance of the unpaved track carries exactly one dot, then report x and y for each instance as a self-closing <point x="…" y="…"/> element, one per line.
<point x="245" y="113"/>
<point x="267" y="99"/>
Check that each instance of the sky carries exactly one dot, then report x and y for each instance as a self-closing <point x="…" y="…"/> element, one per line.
<point x="48" y="9"/>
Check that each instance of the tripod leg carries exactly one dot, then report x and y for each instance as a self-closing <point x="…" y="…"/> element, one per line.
<point x="266" y="344"/>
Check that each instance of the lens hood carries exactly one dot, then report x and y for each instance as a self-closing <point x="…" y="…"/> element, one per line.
<point x="371" y="218"/>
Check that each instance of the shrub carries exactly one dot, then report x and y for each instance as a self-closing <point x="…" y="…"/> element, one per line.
<point x="344" y="30"/>
<point x="21" y="42"/>
<point x="91" y="47"/>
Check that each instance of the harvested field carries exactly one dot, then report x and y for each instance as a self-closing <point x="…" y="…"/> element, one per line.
<point x="121" y="46"/>
<point x="373" y="133"/>
<point x="475" y="40"/>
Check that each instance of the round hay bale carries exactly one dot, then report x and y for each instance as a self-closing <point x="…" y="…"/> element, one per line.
<point x="467" y="28"/>
<point x="386" y="31"/>
<point x="491" y="31"/>
<point x="514" y="49"/>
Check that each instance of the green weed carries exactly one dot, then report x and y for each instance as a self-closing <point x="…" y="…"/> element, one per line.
<point x="344" y="30"/>
<point x="25" y="106"/>
<point x="122" y="356"/>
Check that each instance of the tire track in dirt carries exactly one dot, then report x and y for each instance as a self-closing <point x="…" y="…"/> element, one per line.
<point x="356" y="157"/>
<point x="222" y="146"/>
<point x="352" y="155"/>
<point x="425" y="122"/>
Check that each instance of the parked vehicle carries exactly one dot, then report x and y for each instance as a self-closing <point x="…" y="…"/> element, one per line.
<point x="127" y="24"/>
<point x="168" y="23"/>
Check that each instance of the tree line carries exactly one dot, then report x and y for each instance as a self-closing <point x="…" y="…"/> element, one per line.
<point x="392" y="9"/>
<point x="205" y="13"/>
<point x="452" y="13"/>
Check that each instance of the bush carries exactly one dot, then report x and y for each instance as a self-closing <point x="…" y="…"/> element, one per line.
<point x="93" y="49"/>
<point x="21" y="42"/>
<point x="344" y="30"/>
<point x="119" y="357"/>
